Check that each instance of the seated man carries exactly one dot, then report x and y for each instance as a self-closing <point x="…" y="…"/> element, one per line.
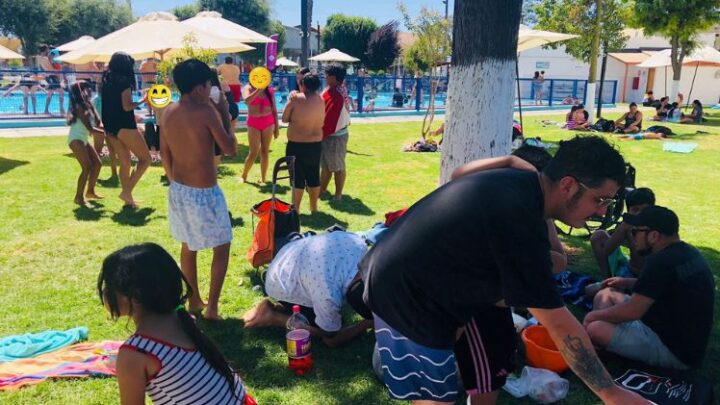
<point x="667" y="320"/>
<point x="649" y="99"/>
<point x="316" y="272"/>
<point x="606" y="247"/>
<point x="661" y="111"/>
<point x="631" y="121"/>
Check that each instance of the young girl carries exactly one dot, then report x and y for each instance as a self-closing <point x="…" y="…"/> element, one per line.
<point x="83" y="120"/>
<point x="167" y="357"/>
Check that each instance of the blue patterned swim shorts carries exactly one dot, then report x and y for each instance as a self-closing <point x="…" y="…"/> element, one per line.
<point x="198" y="216"/>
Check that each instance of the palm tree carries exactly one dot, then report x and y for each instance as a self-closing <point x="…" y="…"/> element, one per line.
<point x="478" y="122"/>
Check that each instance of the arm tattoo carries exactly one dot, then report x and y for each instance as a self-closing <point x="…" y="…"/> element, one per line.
<point x="585" y="363"/>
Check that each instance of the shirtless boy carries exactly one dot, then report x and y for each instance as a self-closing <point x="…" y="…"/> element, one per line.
<point x="305" y="112"/>
<point x="197" y="210"/>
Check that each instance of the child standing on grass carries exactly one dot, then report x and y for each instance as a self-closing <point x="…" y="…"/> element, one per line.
<point x="168" y="357"/>
<point x="83" y="120"/>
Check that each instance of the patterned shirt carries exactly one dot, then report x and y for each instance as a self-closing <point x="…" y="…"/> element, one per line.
<point x="315" y="272"/>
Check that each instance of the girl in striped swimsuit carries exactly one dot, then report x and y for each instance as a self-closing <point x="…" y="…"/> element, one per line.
<point x="167" y="357"/>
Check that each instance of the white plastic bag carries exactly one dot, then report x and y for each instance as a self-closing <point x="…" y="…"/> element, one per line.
<point x="544" y="386"/>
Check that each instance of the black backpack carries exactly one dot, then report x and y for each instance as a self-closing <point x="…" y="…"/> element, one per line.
<point x="603" y="125"/>
<point x="660" y="129"/>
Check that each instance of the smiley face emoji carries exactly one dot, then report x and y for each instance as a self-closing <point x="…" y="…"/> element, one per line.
<point x="159" y="96"/>
<point x="260" y="77"/>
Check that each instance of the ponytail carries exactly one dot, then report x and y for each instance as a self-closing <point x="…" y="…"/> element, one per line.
<point x="207" y="348"/>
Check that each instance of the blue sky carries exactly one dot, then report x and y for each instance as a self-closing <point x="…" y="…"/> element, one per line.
<point x="288" y="11"/>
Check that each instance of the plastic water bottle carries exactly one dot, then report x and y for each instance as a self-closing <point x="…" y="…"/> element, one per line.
<point x="298" y="343"/>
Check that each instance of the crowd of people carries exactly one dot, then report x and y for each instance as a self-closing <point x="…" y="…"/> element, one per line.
<point x="438" y="289"/>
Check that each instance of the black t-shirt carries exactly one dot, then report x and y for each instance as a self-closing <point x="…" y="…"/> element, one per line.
<point x="473" y="242"/>
<point x="114" y="116"/>
<point x="680" y="281"/>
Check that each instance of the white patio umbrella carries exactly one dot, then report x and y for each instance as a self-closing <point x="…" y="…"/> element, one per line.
<point x="212" y="21"/>
<point x="334" y="55"/>
<point x="705" y="56"/>
<point x="76" y="44"/>
<point x="529" y="38"/>
<point x="9" y="54"/>
<point x="286" y="62"/>
<point x="157" y="34"/>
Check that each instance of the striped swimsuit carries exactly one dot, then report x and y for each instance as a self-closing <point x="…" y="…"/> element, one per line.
<point x="185" y="377"/>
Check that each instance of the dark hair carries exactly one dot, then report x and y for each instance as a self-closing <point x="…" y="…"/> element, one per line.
<point x="650" y="92"/>
<point x="147" y="274"/>
<point x="537" y="74"/>
<point x="79" y="104"/>
<point x="581" y="105"/>
<point x="589" y="159"/>
<point x="191" y="73"/>
<point x="44" y="48"/>
<point x="228" y="59"/>
<point x="120" y="69"/>
<point x="633" y="104"/>
<point x="214" y="79"/>
<point x="304" y="71"/>
<point x="311" y="82"/>
<point x="534" y="155"/>
<point x="640" y="196"/>
<point x="337" y="71"/>
<point x="697" y="103"/>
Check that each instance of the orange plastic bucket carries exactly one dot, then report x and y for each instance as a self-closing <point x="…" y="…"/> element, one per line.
<point x="541" y="350"/>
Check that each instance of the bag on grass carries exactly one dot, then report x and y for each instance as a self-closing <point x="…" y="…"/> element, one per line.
<point x="667" y="387"/>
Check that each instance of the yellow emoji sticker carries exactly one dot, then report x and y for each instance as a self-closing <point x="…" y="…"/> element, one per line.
<point x="159" y="96"/>
<point x="260" y="77"/>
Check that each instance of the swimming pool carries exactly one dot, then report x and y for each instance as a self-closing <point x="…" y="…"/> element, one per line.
<point x="13" y="103"/>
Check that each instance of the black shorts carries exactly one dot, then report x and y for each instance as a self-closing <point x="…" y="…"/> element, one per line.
<point x="485" y="352"/>
<point x="53" y="82"/>
<point x="307" y="163"/>
<point x="308" y="312"/>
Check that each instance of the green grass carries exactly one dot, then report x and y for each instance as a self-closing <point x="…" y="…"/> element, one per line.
<point x="51" y="251"/>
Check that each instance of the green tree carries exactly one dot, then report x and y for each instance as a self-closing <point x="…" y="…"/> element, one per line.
<point x="72" y="19"/>
<point x="186" y="11"/>
<point x="277" y="27"/>
<point x="584" y="18"/>
<point x="383" y="47"/>
<point x="27" y="20"/>
<point x="413" y="61"/>
<point x="190" y="50"/>
<point x="433" y="44"/>
<point x="349" y="34"/>
<point x="253" y="14"/>
<point x="578" y="17"/>
<point x="680" y="22"/>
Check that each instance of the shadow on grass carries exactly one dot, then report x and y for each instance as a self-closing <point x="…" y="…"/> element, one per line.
<point x="349" y="152"/>
<point x="227" y="335"/>
<point x="224" y="171"/>
<point x="351" y="205"/>
<point x="8" y="164"/>
<point x="110" y="182"/>
<point x="133" y="216"/>
<point x="93" y="213"/>
<point x="320" y="220"/>
<point x="235" y="222"/>
<point x="266" y="188"/>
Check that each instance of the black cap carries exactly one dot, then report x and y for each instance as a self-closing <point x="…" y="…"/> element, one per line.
<point x="657" y="218"/>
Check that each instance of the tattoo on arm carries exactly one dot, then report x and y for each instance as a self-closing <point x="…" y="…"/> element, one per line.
<point x="585" y="363"/>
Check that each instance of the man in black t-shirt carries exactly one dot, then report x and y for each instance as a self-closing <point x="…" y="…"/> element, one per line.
<point x="472" y="248"/>
<point x="667" y="320"/>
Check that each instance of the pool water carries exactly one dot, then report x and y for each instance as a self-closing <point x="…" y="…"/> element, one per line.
<point x="13" y="103"/>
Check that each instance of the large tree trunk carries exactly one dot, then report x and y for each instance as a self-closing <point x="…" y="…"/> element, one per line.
<point x="594" y="53"/>
<point x="478" y="122"/>
<point x="677" y="54"/>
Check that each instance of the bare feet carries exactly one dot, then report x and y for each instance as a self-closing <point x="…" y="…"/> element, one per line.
<point x="337" y="198"/>
<point x="79" y="201"/>
<point x="243" y="179"/>
<point x="127" y="198"/>
<point x="93" y="196"/>
<point x="260" y="316"/>
<point x="211" y="314"/>
<point x="196" y="306"/>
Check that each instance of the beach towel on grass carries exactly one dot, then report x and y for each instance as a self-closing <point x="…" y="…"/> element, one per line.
<point x="81" y="360"/>
<point x="679" y="147"/>
<point x="665" y="386"/>
<point x="32" y="344"/>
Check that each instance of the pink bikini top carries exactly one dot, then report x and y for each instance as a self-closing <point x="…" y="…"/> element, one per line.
<point x="262" y="101"/>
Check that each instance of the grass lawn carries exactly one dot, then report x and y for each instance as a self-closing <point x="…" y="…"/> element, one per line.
<point x="51" y="251"/>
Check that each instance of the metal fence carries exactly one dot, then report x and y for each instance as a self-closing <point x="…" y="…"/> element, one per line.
<point x="32" y="92"/>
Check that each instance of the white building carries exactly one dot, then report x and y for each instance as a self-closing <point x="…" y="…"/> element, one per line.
<point x="293" y="42"/>
<point x="633" y="82"/>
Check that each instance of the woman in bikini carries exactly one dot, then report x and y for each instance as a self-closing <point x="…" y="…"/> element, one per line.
<point x="262" y="123"/>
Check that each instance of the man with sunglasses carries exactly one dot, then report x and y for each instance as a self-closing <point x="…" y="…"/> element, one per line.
<point x="470" y="250"/>
<point x="667" y="320"/>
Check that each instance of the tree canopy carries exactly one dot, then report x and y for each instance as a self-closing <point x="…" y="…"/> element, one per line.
<point x="578" y="17"/>
<point x="433" y="44"/>
<point x="349" y="34"/>
<point x="383" y="47"/>
<point x="253" y="14"/>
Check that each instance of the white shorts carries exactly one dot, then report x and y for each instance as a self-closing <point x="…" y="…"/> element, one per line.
<point x="198" y="216"/>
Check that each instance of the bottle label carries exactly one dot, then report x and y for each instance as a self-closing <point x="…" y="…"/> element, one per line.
<point x="298" y="343"/>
